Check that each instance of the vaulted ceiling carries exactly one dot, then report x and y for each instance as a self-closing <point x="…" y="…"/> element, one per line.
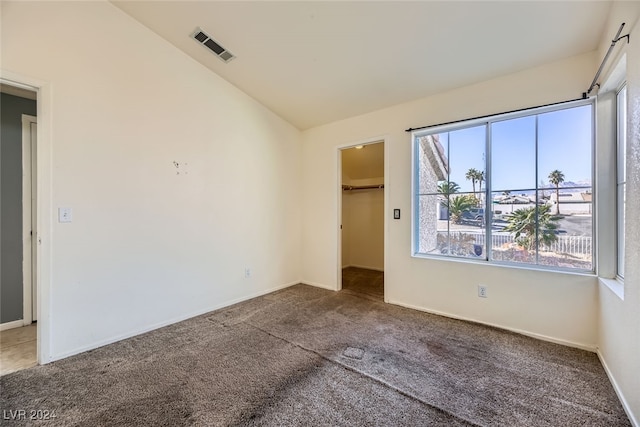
<point x="317" y="62"/>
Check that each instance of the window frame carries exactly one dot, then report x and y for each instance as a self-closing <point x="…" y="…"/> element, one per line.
<point x="621" y="137"/>
<point x="487" y="191"/>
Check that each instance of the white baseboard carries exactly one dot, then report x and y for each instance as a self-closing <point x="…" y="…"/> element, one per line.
<point x="12" y="325"/>
<point x="159" y="325"/>
<point x="616" y="387"/>
<point x="587" y="347"/>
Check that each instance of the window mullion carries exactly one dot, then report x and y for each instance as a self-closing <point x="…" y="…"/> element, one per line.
<point x="449" y="231"/>
<point x="537" y="208"/>
<point x="488" y="185"/>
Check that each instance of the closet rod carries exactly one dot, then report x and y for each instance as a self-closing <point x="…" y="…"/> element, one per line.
<point x="361" y="187"/>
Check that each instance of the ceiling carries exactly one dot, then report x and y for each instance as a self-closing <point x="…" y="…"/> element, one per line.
<point x="363" y="163"/>
<point x="16" y="91"/>
<point x="317" y="62"/>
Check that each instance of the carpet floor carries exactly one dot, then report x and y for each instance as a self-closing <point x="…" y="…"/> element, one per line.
<point x="363" y="282"/>
<point x="307" y="356"/>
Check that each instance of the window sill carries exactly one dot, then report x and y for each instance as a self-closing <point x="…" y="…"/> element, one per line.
<point x="615" y="285"/>
<point x="509" y="265"/>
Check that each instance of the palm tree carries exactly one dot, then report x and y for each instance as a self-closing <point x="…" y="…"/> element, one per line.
<point x="446" y="188"/>
<point x="459" y="204"/>
<point x="472" y="175"/>
<point x="556" y="178"/>
<point x="524" y="223"/>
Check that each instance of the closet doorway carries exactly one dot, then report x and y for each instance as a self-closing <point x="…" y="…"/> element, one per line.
<point x="362" y="236"/>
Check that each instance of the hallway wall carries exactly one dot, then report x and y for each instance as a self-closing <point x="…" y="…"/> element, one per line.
<point x="11" y="288"/>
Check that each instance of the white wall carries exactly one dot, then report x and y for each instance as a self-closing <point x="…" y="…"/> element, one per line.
<point x="150" y="243"/>
<point x="560" y="307"/>
<point x="365" y="232"/>
<point x="619" y="324"/>
<point x="345" y="231"/>
<point x="149" y="246"/>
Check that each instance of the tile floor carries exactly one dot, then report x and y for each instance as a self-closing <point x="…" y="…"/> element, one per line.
<point x="17" y="349"/>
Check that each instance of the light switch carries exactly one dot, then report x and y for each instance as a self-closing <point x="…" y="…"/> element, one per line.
<point x="64" y="214"/>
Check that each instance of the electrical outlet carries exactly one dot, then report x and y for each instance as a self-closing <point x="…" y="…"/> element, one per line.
<point x="247" y="273"/>
<point x="65" y="214"/>
<point x="482" y="291"/>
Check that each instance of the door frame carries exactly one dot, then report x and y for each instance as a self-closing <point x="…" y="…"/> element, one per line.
<point x="43" y="202"/>
<point x="369" y="141"/>
<point x="29" y="220"/>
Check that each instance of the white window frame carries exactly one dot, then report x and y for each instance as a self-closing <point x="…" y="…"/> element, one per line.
<point x="488" y="120"/>
<point x="621" y="140"/>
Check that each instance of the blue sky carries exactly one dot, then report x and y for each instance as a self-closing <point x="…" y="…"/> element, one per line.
<point x="564" y="143"/>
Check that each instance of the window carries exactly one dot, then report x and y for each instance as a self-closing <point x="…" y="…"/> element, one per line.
<point x="508" y="189"/>
<point x="621" y="179"/>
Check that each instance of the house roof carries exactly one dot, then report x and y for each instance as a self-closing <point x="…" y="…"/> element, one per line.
<point x="318" y="62"/>
<point x="514" y="199"/>
<point x="435" y="155"/>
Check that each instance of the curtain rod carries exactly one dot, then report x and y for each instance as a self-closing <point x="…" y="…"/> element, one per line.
<point x="361" y="187"/>
<point x="615" y="40"/>
<point x="490" y="115"/>
<point x="585" y="95"/>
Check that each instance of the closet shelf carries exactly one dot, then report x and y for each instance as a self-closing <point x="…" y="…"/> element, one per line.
<point x="361" y="187"/>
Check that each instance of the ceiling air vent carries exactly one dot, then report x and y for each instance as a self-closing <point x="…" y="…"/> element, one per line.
<point x="212" y="45"/>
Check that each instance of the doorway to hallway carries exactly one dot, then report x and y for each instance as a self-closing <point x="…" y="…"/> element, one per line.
<point x="18" y="219"/>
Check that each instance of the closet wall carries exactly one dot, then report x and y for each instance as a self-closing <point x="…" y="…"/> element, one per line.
<point x="363" y="208"/>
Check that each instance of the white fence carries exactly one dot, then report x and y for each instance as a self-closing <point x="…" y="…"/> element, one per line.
<point x="572" y="245"/>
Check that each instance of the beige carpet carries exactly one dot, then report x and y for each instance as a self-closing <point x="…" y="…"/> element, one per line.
<point x="306" y="356"/>
<point x="363" y="282"/>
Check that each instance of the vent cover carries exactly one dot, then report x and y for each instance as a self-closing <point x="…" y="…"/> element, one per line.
<point x="212" y="45"/>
